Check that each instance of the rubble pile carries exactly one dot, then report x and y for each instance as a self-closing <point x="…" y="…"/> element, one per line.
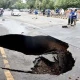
<point x="63" y="63"/>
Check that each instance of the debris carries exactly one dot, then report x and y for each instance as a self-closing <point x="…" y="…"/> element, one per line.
<point x="22" y="32"/>
<point x="70" y="78"/>
<point x="3" y="19"/>
<point x="77" y="77"/>
<point x="62" y="64"/>
<point x="64" y="26"/>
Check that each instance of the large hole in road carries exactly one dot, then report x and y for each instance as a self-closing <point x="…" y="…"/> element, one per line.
<point x="38" y="45"/>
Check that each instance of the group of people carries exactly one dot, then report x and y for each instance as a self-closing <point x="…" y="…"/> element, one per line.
<point x="60" y="11"/>
<point x="72" y="17"/>
<point x="46" y="12"/>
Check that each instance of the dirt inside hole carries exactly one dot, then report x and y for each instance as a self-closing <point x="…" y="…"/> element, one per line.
<point x="62" y="63"/>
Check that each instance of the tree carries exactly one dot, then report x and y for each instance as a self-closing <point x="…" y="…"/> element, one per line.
<point x="19" y="5"/>
<point x="30" y="4"/>
<point x="51" y="4"/>
<point x="7" y="3"/>
<point x="67" y="3"/>
<point x="44" y="4"/>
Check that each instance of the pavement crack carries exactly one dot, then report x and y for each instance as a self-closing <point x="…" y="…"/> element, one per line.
<point x="15" y="70"/>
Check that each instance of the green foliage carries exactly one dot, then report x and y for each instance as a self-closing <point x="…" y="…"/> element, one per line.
<point x="30" y="3"/>
<point x="7" y="3"/>
<point x="40" y="4"/>
<point x="19" y="5"/>
<point x="67" y="3"/>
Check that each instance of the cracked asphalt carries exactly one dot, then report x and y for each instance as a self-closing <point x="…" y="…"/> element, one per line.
<point x="41" y="26"/>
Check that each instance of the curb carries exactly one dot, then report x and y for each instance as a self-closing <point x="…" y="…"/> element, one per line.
<point x="60" y="17"/>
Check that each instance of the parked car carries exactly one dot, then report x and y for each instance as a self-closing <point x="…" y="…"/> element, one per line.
<point x="7" y="9"/>
<point x="15" y="12"/>
<point x="24" y="10"/>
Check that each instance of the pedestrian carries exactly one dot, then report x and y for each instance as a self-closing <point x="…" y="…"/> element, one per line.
<point x="57" y="11"/>
<point x="52" y="13"/>
<point x="70" y="19"/>
<point x="30" y="11"/>
<point x="0" y="13"/>
<point x="44" y="12"/>
<point x="36" y="13"/>
<point x="75" y="16"/>
<point x="61" y="11"/>
<point x="48" y="13"/>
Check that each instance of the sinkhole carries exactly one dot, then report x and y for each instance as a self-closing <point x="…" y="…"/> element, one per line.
<point x="38" y="45"/>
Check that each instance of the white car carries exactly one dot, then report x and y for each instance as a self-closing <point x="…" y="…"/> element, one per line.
<point x="15" y="12"/>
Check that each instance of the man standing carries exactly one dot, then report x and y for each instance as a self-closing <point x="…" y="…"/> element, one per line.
<point x="75" y="16"/>
<point x="70" y="19"/>
<point x="48" y="13"/>
<point x="36" y="13"/>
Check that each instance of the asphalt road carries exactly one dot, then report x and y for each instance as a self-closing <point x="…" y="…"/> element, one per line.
<point x="28" y="25"/>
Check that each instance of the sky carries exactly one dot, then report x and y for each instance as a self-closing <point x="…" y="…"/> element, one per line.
<point x="24" y="1"/>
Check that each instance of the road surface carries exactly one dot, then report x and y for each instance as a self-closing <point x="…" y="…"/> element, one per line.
<point x="28" y="25"/>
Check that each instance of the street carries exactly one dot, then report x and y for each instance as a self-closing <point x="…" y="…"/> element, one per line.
<point x="26" y="24"/>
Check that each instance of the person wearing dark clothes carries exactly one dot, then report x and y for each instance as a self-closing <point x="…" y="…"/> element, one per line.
<point x="43" y="12"/>
<point x="48" y="13"/>
<point x="36" y="13"/>
<point x="75" y="16"/>
<point x="70" y="19"/>
<point x="57" y="11"/>
<point x="0" y="12"/>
